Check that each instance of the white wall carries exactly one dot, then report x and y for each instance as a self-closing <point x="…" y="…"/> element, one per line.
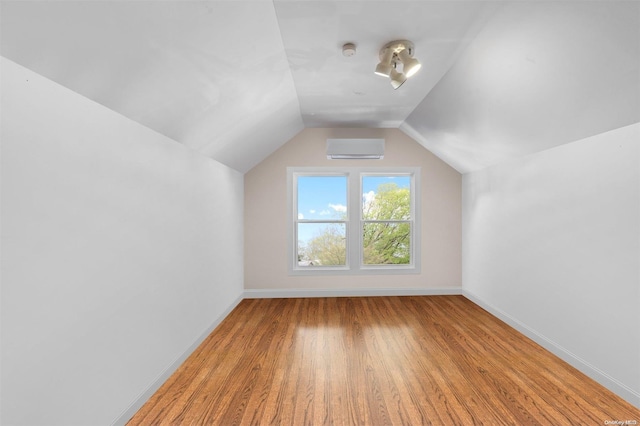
<point x="266" y="219"/>
<point x="120" y="248"/>
<point x="551" y="243"/>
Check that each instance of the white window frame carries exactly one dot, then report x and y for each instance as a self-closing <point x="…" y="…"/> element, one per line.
<point x="354" y="222"/>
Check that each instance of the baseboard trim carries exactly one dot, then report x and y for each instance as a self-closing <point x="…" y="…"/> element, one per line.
<point x="164" y="375"/>
<point x="593" y="372"/>
<point x="350" y="292"/>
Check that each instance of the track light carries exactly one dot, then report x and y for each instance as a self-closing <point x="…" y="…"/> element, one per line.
<point x="392" y="54"/>
<point x="385" y="66"/>
<point x="410" y="65"/>
<point x="397" y="78"/>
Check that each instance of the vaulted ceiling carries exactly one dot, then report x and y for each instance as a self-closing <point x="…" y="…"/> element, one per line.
<point x="235" y="80"/>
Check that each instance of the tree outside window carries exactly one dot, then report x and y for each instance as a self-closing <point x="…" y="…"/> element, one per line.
<point x="386" y="216"/>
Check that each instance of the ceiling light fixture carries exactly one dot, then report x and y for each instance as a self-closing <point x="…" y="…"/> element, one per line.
<point x="392" y="55"/>
<point x="384" y="68"/>
<point x="397" y="78"/>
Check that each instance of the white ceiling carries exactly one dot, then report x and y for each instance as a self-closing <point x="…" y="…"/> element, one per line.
<point x="237" y="79"/>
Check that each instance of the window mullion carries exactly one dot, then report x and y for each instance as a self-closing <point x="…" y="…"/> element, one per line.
<point x="354" y="226"/>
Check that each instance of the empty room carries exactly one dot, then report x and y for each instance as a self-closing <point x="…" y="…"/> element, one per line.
<point x="346" y="212"/>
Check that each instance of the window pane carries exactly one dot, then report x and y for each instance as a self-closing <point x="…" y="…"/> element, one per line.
<point x="322" y="197"/>
<point x="387" y="243"/>
<point x="322" y="244"/>
<point x="386" y="197"/>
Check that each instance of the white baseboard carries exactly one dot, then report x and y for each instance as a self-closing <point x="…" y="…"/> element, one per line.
<point x="164" y="376"/>
<point x="599" y="376"/>
<point x="350" y="292"/>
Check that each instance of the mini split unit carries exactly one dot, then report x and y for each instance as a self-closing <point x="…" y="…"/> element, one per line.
<point x="355" y="149"/>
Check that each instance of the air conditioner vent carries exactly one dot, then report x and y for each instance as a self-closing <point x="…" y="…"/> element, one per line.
<point x="355" y="149"/>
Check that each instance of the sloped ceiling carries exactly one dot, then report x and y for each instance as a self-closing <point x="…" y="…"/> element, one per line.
<point x="237" y="79"/>
<point x="538" y="75"/>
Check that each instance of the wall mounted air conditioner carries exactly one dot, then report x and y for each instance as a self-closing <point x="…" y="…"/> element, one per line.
<point x="355" y="149"/>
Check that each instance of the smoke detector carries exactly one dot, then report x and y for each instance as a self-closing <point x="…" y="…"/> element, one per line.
<point x="349" y="49"/>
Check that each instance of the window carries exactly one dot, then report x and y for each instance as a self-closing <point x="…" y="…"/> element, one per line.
<point x="321" y="225"/>
<point x="353" y="220"/>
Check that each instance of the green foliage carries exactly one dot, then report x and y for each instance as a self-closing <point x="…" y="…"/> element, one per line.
<point x="385" y="241"/>
<point x="328" y="248"/>
<point x="390" y="203"/>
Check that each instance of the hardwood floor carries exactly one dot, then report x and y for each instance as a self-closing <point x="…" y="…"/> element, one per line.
<point x="438" y="360"/>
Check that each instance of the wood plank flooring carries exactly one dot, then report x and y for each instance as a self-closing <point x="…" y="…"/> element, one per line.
<point x="422" y="360"/>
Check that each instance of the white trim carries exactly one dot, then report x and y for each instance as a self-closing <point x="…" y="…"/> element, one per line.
<point x="349" y="292"/>
<point x="593" y="372"/>
<point x="171" y="368"/>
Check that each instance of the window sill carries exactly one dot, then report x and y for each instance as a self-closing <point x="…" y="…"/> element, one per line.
<point x="368" y="270"/>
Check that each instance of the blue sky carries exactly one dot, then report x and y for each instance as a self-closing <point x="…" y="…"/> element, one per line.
<point x="322" y="197"/>
<point x="325" y="197"/>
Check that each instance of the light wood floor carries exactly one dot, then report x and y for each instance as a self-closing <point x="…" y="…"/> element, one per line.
<point x="375" y="361"/>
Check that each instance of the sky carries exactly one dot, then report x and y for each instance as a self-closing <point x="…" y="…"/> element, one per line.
<point x="325" y="198"/>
